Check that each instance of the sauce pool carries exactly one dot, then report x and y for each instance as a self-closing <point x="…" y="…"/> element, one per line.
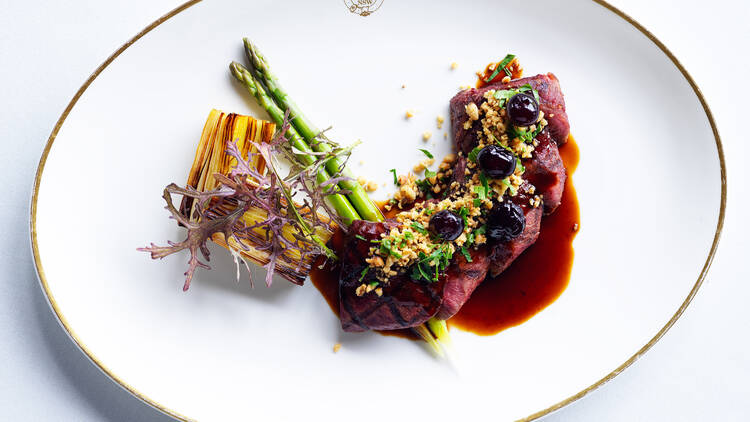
<point x="534" y="280"/>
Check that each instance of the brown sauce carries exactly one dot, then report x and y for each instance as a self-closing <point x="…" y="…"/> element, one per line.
<point x="537" y="277"/>
<point x="535" y="280"/>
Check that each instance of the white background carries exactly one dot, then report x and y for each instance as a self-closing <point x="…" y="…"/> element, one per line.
<point x="697" y="372"/>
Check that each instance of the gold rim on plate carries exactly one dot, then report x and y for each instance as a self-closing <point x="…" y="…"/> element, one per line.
<point x="69" y="330"/>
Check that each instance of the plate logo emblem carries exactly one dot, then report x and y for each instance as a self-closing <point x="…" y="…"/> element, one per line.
<point x="363" y="7"/>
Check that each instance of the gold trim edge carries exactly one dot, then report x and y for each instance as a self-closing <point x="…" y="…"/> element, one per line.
<point x="534" y="416"/>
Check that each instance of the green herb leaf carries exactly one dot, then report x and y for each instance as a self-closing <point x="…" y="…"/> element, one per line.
<point x="485" y="183"/>
<point x="374" y="284"/>
<point x="424" y="185"/>
<point x="386" y="248"/>
<point x="395" y="177"/>
<point x="463" y="212"/>
<point x="364" y="273"/>
<point x="469" y="239"/>
<point x="466" y="253"/>
<point x="501" y="66"/>
<point x="512" y="189"/>
<point x="408" y="235"/>
<point x="504" y="95"/>
<point x="481" y="193"/>
<point x="427" y="153"/>
<point x="428" y="212"/>
<point x="429" y="173"/>
<point x="473" y="154"/>
<point x="520" y="166"/>
<point x="419" y="227"/>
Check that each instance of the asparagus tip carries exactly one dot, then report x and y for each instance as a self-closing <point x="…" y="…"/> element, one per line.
<point x="236" y="70"/>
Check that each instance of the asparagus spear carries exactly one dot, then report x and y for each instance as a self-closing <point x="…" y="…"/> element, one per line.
<point x="436" y="330"/>
<point x="343" y="207"/>
<point x="358" y="197"/>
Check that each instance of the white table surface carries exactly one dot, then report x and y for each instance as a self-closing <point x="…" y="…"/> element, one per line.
<point x="697" y="372"/>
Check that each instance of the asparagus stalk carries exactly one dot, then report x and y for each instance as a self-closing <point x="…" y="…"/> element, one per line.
<point x="343" y="207"/>
<point x="435" y="331"/>
<point x="358" y="197"/>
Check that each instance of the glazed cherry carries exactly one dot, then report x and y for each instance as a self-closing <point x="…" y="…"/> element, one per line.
<point x="496" y="162"/>
<point x="506" y="221"/>
<point x="523" y="109"/>
<point x="446" y="225"/>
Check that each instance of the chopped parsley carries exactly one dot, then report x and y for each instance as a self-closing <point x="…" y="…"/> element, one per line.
<point x="419" y="227"/>
<point x="473" y="154"/>
<point x="463" y="212"/>
<point x="501" y="66"/>
<point x="386" y="248"/>
<point x="364" y="273"/>
<point x="429" y="267"/>
<point x="425" y="186"/>
<point x="427" y="153"/>
<point x="520" y="166"/>
<point x="483" y="192"/>
<point x="525" y="134"/>
<point x="465" y="253"/>
<point x="473" y="235"/>
<point x="504" y="95"/>
<point x="395" y="177"/>
<point x="527" y="88"/>
<point x="512" y="189"/>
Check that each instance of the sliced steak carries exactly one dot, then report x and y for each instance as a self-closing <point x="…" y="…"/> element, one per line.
<point x="502" y="254"/>
<point x="546" y="171"/>
<point x="552" y="104"/>
<point x="461" y="278"/>
<point x="404" y="303"/>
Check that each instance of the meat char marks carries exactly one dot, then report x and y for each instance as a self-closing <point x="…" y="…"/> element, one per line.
<point x="404" y="302"/>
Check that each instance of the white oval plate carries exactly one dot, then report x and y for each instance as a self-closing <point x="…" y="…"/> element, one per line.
<point x="650" y="184"/>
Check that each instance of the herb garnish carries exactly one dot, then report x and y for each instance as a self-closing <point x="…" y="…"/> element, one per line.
<point x="419" y="227"/>
<point x="520" y="166"/>
<point x="395" y="177"/>
<point x="427" y="153"/>
<point x="364" y="273"/>
<point x="386" y="248"/>
<point x="473" y="154"/>
<point x="504" y="95"/>
<point x="463" y="212"/>
<point x="429" y="267"/>
<point x="466" y="253"/>
<point x="501" y="66"/>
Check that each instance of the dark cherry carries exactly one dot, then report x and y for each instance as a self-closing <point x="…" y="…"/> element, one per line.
<point x="523" y="109"/>
<point x="506" y="221"/>
<point x="496" y="162"/>
<point x="446" y="225"/>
